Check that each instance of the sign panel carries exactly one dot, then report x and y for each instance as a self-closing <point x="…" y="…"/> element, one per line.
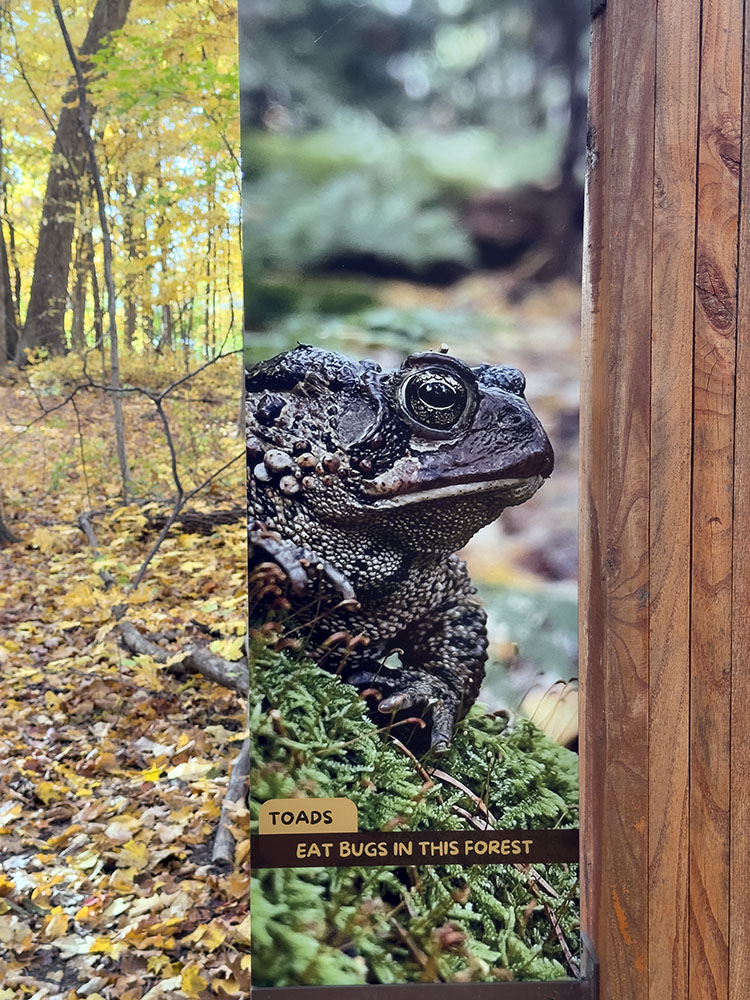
<point x="413" y="800"/>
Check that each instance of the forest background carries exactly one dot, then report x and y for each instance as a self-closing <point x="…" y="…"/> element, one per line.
<point x="122" y="571"/>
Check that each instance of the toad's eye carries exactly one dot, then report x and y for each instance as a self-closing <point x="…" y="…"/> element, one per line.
<point x="434" y="398"/>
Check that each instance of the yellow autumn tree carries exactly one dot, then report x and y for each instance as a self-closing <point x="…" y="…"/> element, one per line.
<point x="162" y="87"/>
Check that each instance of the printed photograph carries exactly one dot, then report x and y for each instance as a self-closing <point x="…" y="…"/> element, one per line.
<point x="412" y="219"/>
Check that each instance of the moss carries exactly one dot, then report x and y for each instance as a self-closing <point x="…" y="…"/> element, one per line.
<point x="312" y="736"/>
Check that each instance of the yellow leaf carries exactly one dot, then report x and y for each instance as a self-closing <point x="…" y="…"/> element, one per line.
<point x="214" y="937"/>
<point x="191" y="770"/>
<point x="242" y="931"/>
<point x="192" y="982"/>
<point x="135" y="854"/>
<point x="80" y="596"/>
<point x="122" y="879"/>
<point x="119" y="833"/>
<point x="56" y="923"/>
<point x="9" y="811"/>
<point x="229" y="649"/>
<point x="46" y="792"/>
<point x="143" y="595"/>
<point x="237" y="885"/>
<point x="103" y="946"/>
<point x="67" y="834"/>
<point x="44" y="539"/>
<point x="160" y="964"/>
<point x="51" y="699"/>
<point x="152" y="774"/>
<point x="237" y="626"/>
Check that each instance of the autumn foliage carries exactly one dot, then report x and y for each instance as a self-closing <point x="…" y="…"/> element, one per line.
<point x="115" y="764"/>
<point x="113" y="770"/>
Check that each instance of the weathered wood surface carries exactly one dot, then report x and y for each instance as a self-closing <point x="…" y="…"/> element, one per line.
<point x="739" y="868"/>
<point x="665" y="503"/>
<point x="672" y="269"/>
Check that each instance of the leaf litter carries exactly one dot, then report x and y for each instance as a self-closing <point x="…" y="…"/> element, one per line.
<point x="112" y="770"/>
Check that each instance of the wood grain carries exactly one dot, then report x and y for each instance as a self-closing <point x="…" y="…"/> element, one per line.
<point x="739" y="869"/>
<point x="676" y="133"/>
<point x="665" y="528"/>
<point x="713" y="487"/>
<point x="593" y="478"/>
<point x="616" y="419"/>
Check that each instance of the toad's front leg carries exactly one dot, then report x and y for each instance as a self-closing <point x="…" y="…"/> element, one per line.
<point x="444" y="653"/>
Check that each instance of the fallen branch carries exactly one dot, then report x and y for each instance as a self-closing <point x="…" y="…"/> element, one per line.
<point x="196" y="659"/>
<point x="199" y="522"/>
<point x="223" y="852"/>
<point x="181" y="498"/>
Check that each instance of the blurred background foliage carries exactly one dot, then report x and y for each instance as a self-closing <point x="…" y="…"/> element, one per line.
<point x="413" y="175"/>
<point x="409" y="138"/>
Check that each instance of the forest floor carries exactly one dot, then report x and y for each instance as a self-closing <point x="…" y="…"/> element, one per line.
<point x="113" y="771"/>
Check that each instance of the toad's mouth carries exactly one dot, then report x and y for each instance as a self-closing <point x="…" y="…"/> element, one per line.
<point x="507" y="492"/>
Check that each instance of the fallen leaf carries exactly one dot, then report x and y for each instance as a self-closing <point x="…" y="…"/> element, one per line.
<point x="192" y="982"/>
<point x="56" y="923"/>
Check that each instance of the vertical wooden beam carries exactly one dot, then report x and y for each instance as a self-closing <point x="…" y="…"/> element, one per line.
<point x="615" y="521"/>
<point x="713" y="486"/>
<point x="673" y="267"/>
<point x="739" y="869"/>
<point x="666" y="541"/>
<point x="593" y="478"/>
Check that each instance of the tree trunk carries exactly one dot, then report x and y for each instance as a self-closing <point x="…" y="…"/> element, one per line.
<point x="8" y="319"/>
<point x="7" y="344"/>
<point x="165" y="339"/>
<point x="165" y="333"/>
<point x="128" y="242"/>
<point x="85" y="127"/>
<point x="6" y="535"/>
<point x="98" y="315"/>
<point x="45" y="315"/>
<point x="81" y="267"/>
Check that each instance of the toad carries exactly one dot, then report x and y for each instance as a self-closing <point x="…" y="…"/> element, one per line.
<point x="363" y="483"/>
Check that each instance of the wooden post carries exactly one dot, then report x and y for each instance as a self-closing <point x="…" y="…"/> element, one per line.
<point x="665" y="500"/>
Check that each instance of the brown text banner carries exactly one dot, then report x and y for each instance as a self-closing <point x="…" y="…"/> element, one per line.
<point x="459" y="847"/>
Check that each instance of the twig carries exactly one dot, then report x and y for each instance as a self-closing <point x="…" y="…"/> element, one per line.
<point x="417" y="763"/>
<point x="223" y="851"/>
<point x="450" y="780"/>
<point x="417" y="953"/>
<point x="85" y="525"/>
<point x="182" y="499"/>
<point x="83" y="454"/>
<point x="552" y="917"/>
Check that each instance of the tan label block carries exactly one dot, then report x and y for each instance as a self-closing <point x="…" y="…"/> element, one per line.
<point x="308" y="816"/>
